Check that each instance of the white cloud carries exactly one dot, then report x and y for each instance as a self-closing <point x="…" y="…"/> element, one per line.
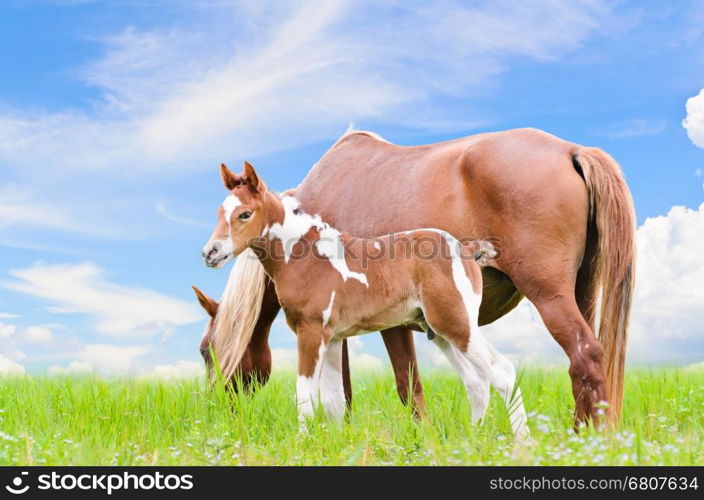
<point x="283" y="359"/>
<point x="119" y="310"/>
<point x="636" y="127"/>
<point x="7" y="330"/>
<point x="4" y="315"/>
<point x="183" y="369"/>
<point x="360" y="360"/>
<point x="21" y="207"/>
<point x="694" y="121"/>
<point x="669" y="293"/>
<point x="9" y="367"/>
<point x="37" y="334"/>
<point x="111" y="359"/>
<point x="74" y="368"/>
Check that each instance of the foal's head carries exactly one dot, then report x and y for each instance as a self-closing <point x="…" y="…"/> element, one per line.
<point x="218" y="250"/>
<point x="245" y="209"/>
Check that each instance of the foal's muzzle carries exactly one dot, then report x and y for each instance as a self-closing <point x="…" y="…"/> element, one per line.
<point x="214" y="256"/>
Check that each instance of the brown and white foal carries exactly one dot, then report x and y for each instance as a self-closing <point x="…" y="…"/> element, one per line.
<point x="332" y="285"/>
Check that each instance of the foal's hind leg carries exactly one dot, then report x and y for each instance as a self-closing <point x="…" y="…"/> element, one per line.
<point x="477" y="386"/>
<point x="499" y="370"/>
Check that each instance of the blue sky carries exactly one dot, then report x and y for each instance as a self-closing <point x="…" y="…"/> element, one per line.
<point x="115" y="115"/>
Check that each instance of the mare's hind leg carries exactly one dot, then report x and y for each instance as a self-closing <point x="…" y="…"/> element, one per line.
<point x="402" y="353"/>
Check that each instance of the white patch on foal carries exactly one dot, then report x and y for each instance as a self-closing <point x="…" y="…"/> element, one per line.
<point x="330" y="245"/>
<point x="328" y="310"/>
<point x="296" y="225"/>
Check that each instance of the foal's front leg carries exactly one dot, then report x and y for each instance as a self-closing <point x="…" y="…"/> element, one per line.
<point x="311" y="354"/>
<point x="332" y="393"/>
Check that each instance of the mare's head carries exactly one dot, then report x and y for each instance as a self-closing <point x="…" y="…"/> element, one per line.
<point x="255" y="366"/>
<point x="245" y="209"/>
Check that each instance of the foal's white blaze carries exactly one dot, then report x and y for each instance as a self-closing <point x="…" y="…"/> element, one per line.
<point x="229" y="206"/>
<point x="294" y="226"/>
<point x="330" y="245"/>
<point x="328" y="310"/>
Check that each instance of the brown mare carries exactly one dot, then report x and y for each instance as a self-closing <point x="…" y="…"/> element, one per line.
<point x="332" y="285"/>
<point x="560" y="214"/>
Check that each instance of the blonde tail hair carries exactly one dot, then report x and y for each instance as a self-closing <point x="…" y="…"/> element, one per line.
<point x="238" y="313"/>
<point x="611" y="208"/>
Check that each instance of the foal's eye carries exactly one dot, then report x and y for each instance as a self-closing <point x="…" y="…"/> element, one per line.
<point x="244" y="215"/>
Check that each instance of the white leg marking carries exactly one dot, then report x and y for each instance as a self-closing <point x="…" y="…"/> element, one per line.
<point x="308" y="388"/>
<point x="500" y="372"/>
<point x="328" y="310"/>
<point x="477" y="386"/>
<point x="332" y="393"/>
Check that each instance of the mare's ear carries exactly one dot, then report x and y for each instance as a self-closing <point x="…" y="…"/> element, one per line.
<point x="250" y="177"/>
<point x="210" y="306"/>
<point x="230" y="179"/>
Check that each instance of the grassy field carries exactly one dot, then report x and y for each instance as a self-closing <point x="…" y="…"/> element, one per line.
<point x="86" y="420"/>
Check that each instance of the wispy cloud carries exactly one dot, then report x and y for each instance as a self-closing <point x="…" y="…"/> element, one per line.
<point x="119" y="310"/>
<point x="285" y="73"/>
<point x="635" y="127"/>
<point x="167" y="214"/>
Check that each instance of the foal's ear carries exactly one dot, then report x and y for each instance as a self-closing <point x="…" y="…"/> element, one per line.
<point x="251" y="177"/>
<point x="229" y="178"/>
<point x="210" y="306"/>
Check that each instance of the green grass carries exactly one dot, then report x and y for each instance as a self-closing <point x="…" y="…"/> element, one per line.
<point x="85" y="420"/>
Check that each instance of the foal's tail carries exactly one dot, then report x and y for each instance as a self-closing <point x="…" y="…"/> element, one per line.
<point x="612" y="216"/>
<point x="238" y="313"/>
